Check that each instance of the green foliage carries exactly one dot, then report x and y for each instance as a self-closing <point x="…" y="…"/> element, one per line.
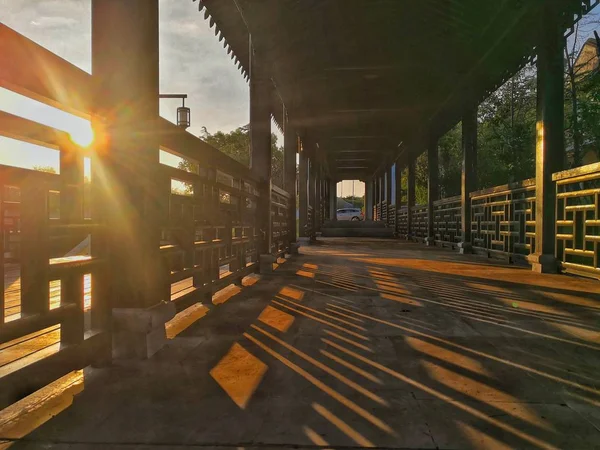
<point x="236" y="144"/>
<point x="450" y="155"/>
<point x="47" y="169"/>
<point x="356" y="202"/>
<point x="506" y="132"/>
<point x="588" y="114"/>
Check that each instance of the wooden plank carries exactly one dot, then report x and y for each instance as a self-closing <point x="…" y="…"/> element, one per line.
<point x="31" y="70"/>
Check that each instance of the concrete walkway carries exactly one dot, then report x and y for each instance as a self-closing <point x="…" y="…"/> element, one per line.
<point x="362" y="343"/>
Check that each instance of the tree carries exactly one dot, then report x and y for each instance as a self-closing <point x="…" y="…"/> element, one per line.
<point x="506" y="132"/>
<point x="46" y="169"/>
<point x="236" y="144"/>
<point x="356" y="202"/>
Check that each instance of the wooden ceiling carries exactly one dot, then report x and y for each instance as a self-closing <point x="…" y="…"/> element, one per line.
<point x="369" y="80"/>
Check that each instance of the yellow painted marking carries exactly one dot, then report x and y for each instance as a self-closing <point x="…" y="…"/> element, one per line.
<point x="352" y="367"/>
<point x="343" y="426"/>
<point x="468" y="409"/>
<point x="333" y="325"/>
<point x="185" y="319"/>
<point x="325" y="368"/>
<point x="24" y="416"/>
<point x="292" y="293"/>
<point x="325" y="388"/>
<point x="239" y="373"/>
<point x="276" y="318"/>
<point x="349" y="341"/>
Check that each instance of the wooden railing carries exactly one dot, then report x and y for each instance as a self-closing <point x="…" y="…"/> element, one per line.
<point x="384" y="211"/>
<point x="402" y="222"/>
<point x="393" y="219"/>
<point x="209" y="233"/>
<point x="419" y="222"/>
<point x="578" y="219"/>
<point x="503" y="220"/>
<point x="447" y="221"/>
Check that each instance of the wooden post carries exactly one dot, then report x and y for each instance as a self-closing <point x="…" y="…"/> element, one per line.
<point x="469" y="176"/>
<point x="388" y="193"/>
<point x="290" y="150"/>
<point x="398" y="174"/>
<point x="260" y="150"/>
<point x="312" y="195"/>
<point x="303" y="193"/>
<point x="332" y="200"/>
<point x="34" y="247"/>
<point x="411" y="194"/>
<point x="432" y="188"/>
<point x="125" y="70"/>
<point x="369" y="199"/>
<point x="550" y="145"/>
<point x="398" y="185"/>
<point x="71" y="212"/>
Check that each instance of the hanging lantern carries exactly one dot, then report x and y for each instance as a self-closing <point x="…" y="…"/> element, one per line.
<point x="183" y="117"/>
<point x="183" y="113"/>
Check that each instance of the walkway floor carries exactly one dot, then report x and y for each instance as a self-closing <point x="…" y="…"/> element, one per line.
<point x="362" y="343"/>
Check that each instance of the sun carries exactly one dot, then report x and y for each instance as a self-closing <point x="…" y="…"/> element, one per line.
<point x="83" y="135"/>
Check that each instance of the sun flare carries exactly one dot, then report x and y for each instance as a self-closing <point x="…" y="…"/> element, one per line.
<point x="83" y="135"/>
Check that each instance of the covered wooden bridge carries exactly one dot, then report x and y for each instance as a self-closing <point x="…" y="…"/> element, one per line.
<point x="353" y="342"/>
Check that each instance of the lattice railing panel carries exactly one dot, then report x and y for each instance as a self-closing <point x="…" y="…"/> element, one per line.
<point x="447" y="220"/>
<point x="503" y="219"/>
<point x="578" y="219"/>
<point x="419" y="221"/>
<point x="402" y="221"/>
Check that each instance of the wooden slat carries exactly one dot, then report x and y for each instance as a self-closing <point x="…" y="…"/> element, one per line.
<point x="33" y="71"/>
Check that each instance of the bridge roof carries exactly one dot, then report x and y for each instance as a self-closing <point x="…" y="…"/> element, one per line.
<point x="364" y="79"/>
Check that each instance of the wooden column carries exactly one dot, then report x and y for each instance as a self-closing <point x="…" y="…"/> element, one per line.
<point x="71" y="213"/>
<point x="312" y="179"/>
<point x="469" y="176"/>
<point x="290" y="149"/>
<point x="411" y="193"/>
<point x="316" y="198"/>
<point x="432" y="187"/>
<point x="260" y="144"/>
<point x="132" y="200"/>
<point x="369" y="199"/>
<point x="303" y="193"/>
<point x="398" y="175"/>
<point x="550" y="145"/>
<point x="388" y="192"/>
<point x="332" y="200"/>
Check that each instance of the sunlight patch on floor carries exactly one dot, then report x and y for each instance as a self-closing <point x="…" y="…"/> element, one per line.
<point x="276" y="318"/>
<point x="239" y="373"/>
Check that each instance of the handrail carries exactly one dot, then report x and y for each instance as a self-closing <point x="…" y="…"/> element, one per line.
<point x="19" y="54"/>
<point x="515" y="186"/>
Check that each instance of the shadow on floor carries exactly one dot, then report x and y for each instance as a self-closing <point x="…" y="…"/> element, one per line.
<point x="377" y="343"/>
